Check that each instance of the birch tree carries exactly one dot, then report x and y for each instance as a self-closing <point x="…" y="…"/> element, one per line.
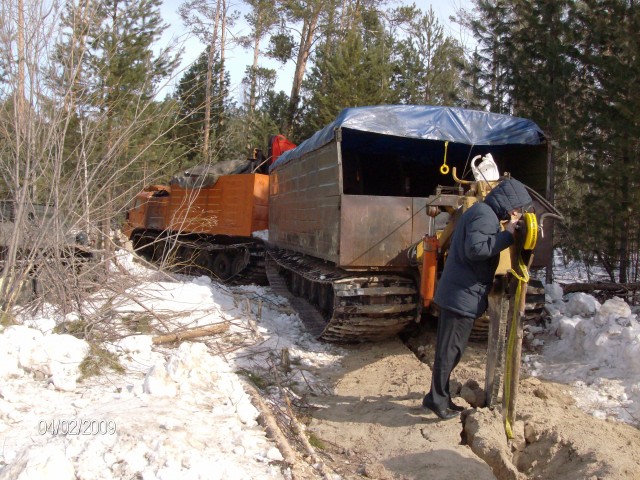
<point x="261" y="19"/>
<point x="209" y="20"/>
<point x="76" y="92"/>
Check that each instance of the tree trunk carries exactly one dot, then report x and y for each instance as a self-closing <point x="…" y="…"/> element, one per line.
<point x="626" y="217"/>
<point x="83" y="150"/>
<point x="223" y="93"/>
<point x="189" y="334"/>
<point x="306" y="42"/>
<point x="254" y="77"/>
<point x="550" y="194"/>
<point x="8" y="291"/>
<point x="613" y="288"/>
<point x="209" y="82"/>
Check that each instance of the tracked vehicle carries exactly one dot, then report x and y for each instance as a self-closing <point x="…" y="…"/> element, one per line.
<point x="361" y="212"/>
<point x="204" y="220"/>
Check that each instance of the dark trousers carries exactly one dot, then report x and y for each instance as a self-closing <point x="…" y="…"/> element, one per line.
<point x="453" y="336"/>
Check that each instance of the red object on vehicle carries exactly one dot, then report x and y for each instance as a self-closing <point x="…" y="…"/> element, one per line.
<point x="429" y="269"/>
<point x="278" y="144"/>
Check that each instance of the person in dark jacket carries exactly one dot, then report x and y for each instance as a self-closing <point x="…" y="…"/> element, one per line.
<point x="463" y="289"/>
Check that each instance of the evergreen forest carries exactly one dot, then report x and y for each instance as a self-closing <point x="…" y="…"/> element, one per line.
<point x="83" y="125"/>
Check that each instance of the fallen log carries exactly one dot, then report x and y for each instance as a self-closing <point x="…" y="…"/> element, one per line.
<point x="270" y="424"/>
<point x="600" y="286"/>
<point x="191" y="333"/>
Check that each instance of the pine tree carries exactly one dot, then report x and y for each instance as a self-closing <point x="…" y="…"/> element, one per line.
<point x="274" y="106"/>
<point x="209" y="20"/>
<point x="429" y="64"/>
<point x="572" y="67"/>
<point x="308" y="13"/>
<point x="261" y="19"/>
<point x="122" y="60"/>
<point x="190" y="123"/>
<point x="491" y="28"/>
<point x="122" y="73"/>
<point x="353" y="71"/>
<point x="542" y="73"/>
<point x="106" y="76"/>
<point x="608" y="49"/>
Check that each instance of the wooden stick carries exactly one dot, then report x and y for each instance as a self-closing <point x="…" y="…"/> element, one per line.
<point x="271" y="425"/>
<point x="498" y="319"/>
<point x="600" y="286"/>
<point x="299" y="431"/>
<point x="192" y="333"/>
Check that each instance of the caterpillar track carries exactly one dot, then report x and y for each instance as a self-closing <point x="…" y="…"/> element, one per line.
<point x="224" y="259"/>
<point x="341" y="306"/>
<point x="338" y="306"/>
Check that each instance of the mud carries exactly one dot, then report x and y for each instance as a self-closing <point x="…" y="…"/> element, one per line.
<point x="371" y="425"/>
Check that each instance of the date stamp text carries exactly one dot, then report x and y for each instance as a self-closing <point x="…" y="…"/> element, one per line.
<point x="76" y="426"/>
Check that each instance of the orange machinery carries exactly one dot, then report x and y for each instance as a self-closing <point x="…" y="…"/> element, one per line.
<point x="204" y="220"/>
<point x="204" y="228"/>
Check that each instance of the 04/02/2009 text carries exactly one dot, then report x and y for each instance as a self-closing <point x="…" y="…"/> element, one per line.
<point x="76" y="427"/>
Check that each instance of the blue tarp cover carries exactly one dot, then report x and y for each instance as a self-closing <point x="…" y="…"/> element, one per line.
<point x="459" y="125"/>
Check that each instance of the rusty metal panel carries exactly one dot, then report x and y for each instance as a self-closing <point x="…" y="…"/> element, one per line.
<point x="304" y="204"/>
<point x="234" y="205"/>
<point x="543" y="252"/>
<point x="233" y="199"/>
<point x="422" y="224"/>
<point x="260" y="217"/>
<point x="378" y="230"/>
<point x="156" y="208"/>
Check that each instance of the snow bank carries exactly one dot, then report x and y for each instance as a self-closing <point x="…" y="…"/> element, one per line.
<point x="183" y="412"/>
<point x="48" y="461"/>
<point x="595" y="348"/>
<point x="53" y="357"/>
<point x="176" y="413"/>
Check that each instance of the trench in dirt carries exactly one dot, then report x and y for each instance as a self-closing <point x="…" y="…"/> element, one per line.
<point x="543" y="446"/>
<point x="368" y="415"/>
<point x="372" y="418"/>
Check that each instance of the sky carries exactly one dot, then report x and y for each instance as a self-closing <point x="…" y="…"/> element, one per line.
<point x="186" y="412"/>
<point x="239" y="58"/>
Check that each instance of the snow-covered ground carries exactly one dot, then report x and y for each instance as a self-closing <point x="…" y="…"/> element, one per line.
<point x="186" y="412"/>
<point x="173" y="412"/>
<point x="594" y="348"/>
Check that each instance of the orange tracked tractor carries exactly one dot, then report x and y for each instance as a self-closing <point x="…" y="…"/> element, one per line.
<point x="205" y="219"/>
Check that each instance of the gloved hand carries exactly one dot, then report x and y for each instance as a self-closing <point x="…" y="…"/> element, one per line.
<point x="512" y="225"/>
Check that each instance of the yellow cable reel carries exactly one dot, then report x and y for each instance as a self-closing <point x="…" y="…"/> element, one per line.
<point x="531" y="234"/>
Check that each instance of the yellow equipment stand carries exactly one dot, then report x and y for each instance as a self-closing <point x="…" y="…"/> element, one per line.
<point x="506" y="309"/>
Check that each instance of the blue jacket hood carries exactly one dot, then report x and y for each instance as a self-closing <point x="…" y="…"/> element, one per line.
<point x="506" y="196"/>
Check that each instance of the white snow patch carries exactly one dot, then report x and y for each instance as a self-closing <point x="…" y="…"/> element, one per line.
<point x="595" y="348"/>
<point x="183" y="412"/>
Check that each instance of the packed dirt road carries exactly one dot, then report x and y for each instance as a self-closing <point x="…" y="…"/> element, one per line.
<point x="372" y="425"/>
